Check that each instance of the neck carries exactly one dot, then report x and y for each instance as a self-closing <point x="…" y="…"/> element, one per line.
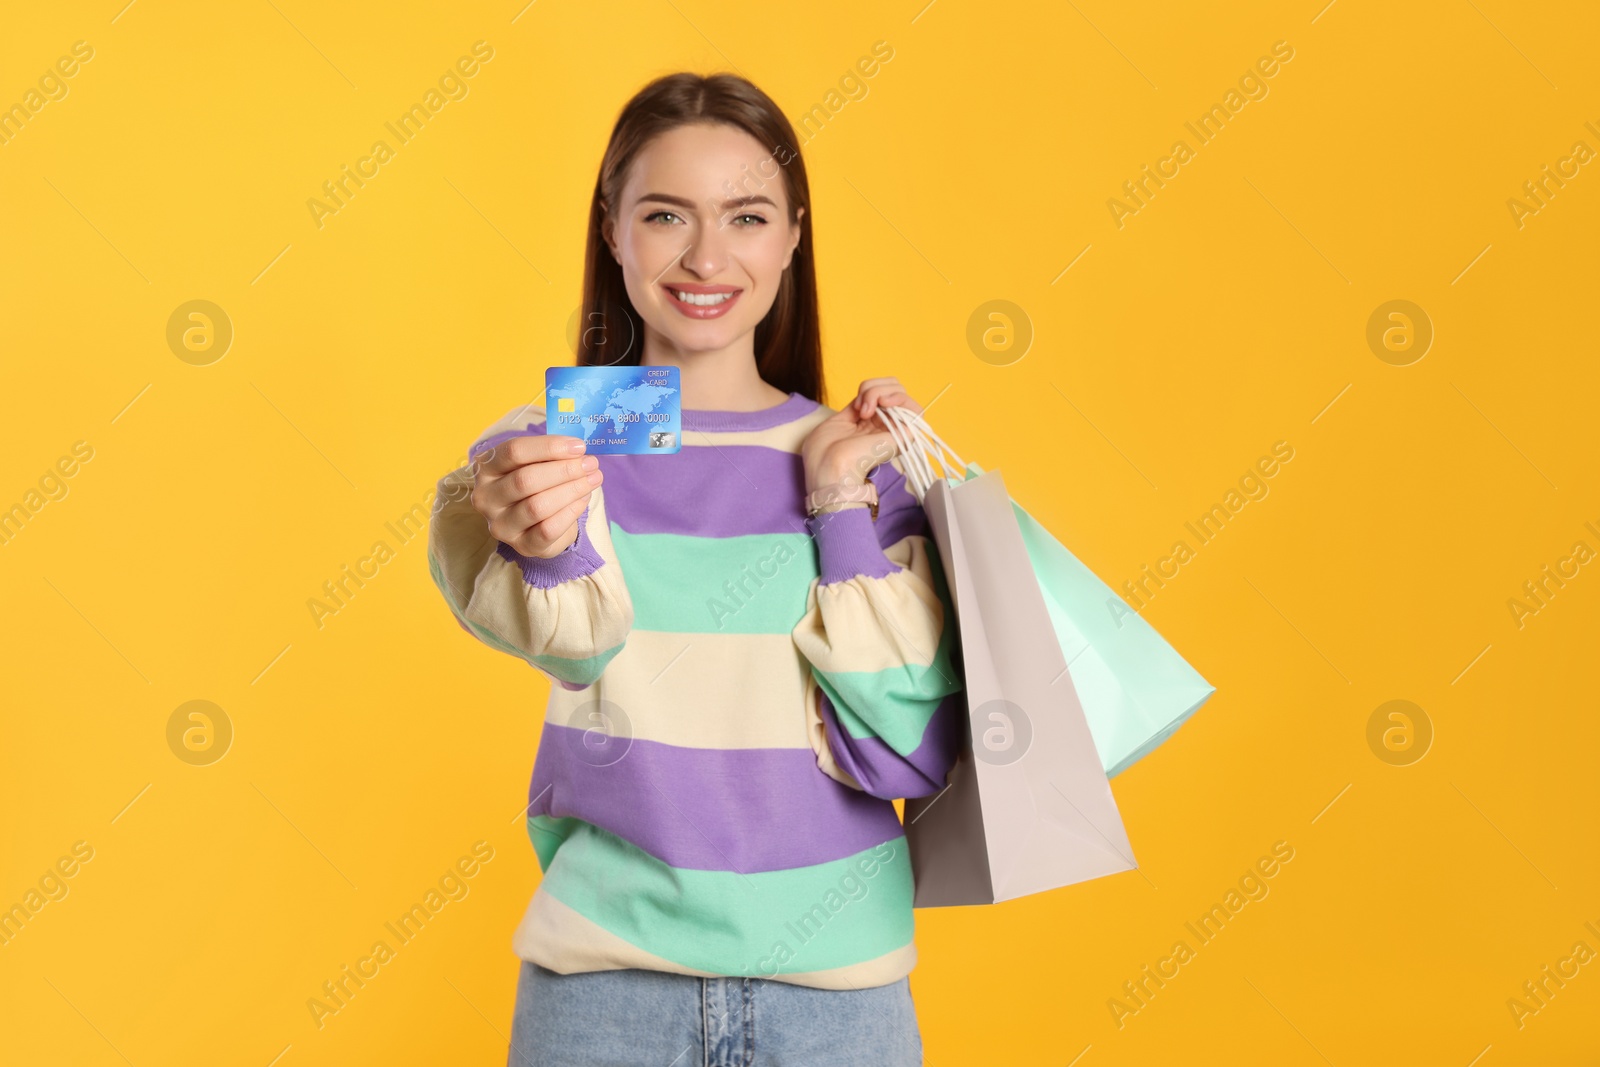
<point x="722" y="380"/>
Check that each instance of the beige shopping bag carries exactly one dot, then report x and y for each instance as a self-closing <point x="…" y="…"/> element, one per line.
<point x="1028" y="806"/>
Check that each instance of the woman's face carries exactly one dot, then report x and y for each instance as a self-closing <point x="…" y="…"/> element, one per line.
<point x="703" y="235"/>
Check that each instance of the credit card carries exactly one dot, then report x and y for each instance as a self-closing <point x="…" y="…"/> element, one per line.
<point x="616" y="411"/>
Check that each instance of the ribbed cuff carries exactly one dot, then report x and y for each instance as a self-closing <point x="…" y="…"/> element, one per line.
<point x="847" y="545"/>
<point x="577" y="560"/>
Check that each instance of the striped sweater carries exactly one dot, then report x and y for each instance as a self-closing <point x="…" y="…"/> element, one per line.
<point x="738" y="695"/>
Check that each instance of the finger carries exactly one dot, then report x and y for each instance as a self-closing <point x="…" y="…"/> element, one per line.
<point x="869" y="383"/>
<point x="539" y="476"/>
<point x="528" y="448"/>
<point x="877" y="387"/>
<point x="901" y="400"/>
<point x="530" y="540"/>
<point x="568" y="516"/>
<point x="550" y="511"/>
<point x="874" y="396"/>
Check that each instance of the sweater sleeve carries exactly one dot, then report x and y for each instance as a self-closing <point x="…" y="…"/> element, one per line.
<point x="568" y="615"/>
<point x="887" y="716"/>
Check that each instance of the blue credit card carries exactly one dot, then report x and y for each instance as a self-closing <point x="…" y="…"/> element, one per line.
<point x="616" y="411"/>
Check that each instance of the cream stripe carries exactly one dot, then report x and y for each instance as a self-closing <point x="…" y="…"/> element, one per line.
<point x="700" y="691"/>
<point x="517" y="418"/>
<point x="573" y="620"/>
<point x="555" y="936"/>
<point x="889" y="967"/>
<point x="876" y="623"/>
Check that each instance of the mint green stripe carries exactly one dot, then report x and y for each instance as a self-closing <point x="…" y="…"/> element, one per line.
<point x="547" y="835"/>
<point x="750" y="584"/>
<point x="577" y="671"/>
<point x="903" y="698"/>
<point x="760" y="924"/>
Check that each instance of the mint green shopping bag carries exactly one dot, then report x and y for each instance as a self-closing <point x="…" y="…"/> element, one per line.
<point x="1135" y="689"/>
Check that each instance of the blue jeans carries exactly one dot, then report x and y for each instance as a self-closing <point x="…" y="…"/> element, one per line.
<point x="659" y="1019"/>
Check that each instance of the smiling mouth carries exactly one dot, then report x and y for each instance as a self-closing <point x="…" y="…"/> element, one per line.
<point x="702" y="300"/>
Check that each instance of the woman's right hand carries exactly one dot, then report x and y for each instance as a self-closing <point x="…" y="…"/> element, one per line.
<point x="532" y="489"/>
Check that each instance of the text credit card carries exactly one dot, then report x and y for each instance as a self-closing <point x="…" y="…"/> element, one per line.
<point x="616" y="411"/>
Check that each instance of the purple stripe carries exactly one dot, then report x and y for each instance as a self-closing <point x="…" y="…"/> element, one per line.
<point x="710" y="419"/>
<point x="849" y="542"/>
<point x="734" y="490"/>
<point x="885" y="773"/>
<point x="746" y="810"/>
<point x="577" y="560"/>
<point x="847" y="545"/>
<point x="726" y="491"/>
<point x="899" y="513"/>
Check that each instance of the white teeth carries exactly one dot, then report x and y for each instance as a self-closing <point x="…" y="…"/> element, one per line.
<point x="701" y="300"/>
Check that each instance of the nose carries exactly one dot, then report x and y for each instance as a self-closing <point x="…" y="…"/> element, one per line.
<point x="707" y="253"/>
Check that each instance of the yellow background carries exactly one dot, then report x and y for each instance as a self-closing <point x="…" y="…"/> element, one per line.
<point x="1228" y="314"/>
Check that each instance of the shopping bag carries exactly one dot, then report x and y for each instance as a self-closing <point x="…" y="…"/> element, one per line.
<point x="1028" y="806"/>
<point x="1135" y="689"/>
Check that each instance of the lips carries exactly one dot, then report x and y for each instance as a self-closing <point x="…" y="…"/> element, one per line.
<point x="697" y="301"/>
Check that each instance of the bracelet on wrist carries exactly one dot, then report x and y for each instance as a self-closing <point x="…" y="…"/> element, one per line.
<point x="839" y="495"/>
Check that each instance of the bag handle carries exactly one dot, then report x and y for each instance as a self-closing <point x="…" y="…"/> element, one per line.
<point x="918" y="442"/>
<point x="911" y="453"/>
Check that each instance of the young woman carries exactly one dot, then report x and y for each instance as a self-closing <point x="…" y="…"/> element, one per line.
<point x="750" y="640"/>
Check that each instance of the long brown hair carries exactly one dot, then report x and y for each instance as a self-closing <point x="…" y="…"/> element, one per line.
<point x="788" y="341"/>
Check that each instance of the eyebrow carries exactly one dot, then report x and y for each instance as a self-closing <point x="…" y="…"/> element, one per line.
<point x="727" y="205"/>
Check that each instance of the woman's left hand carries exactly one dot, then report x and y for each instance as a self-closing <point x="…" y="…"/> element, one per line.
<point x="847" y="445"/>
